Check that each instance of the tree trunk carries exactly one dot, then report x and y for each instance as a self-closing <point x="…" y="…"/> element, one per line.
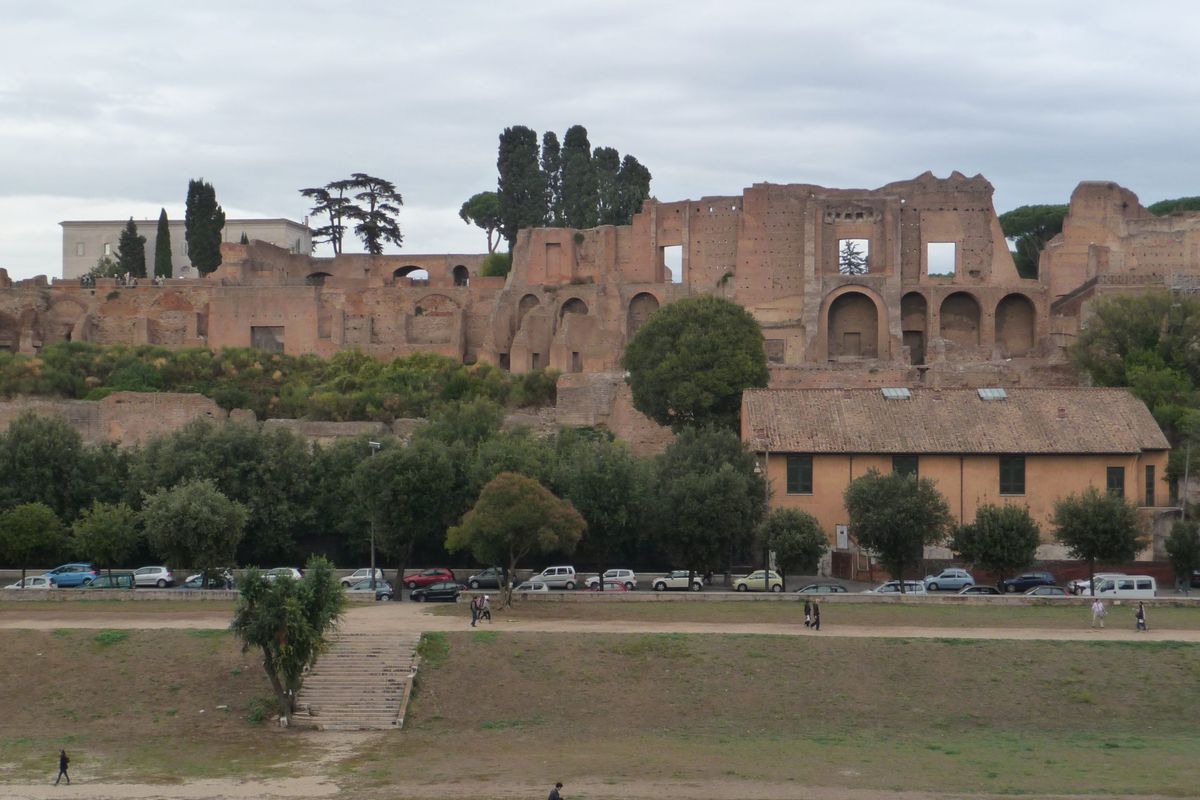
<point x="1092" y="575"/>
<point x="508" y="579"/>
<point x="286" y="702"/>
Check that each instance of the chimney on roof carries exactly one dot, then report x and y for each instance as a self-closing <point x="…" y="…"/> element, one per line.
<point x="1062" y="412"/>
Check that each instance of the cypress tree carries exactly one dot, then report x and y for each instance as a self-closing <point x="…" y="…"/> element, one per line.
<point x="521" y="184"/>
<point x="633" y="187"/>
<point x="552" y="170"/>
<point x="162" y="248"/>
<point x="607" y="162"/>
<point x="202" y="226"/>
<point x="579" y="190"/>
<point x="131" y="251"/>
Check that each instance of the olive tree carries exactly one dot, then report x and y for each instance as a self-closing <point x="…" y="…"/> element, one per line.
<point x="896" y="516"/>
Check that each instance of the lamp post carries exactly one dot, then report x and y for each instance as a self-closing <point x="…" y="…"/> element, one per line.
<point x="766" y="476"/>
<point x="374" y="449"/>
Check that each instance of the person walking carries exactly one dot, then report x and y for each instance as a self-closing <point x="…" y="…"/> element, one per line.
<point x="1099" y="612"/>
<point x="63" y="761"/>
<point x="807" y="613"/>
<point x="474" y="610"/>
<point x="816" y="616"/>
<point x="555" y="794"/>
<point x="1139" y="618"/>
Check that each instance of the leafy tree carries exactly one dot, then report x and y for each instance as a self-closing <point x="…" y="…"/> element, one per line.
<point x="332" y="203"/>
<point x="1164" y="207"/>
<point x="1002" y="539"/>
<point x="708" y="498"/>
<point x="107" y="534"/>
<point x="162" y="247"/>
<point x="521" y="186"/>
<point x="333" y="471"/>
<point x="203" y="222"/>
<point x="376" y="219"/>
<point x="1097" y="526"/>
<point x="1031" y="228"/>
<point x="496" y="265"/>
<point x="552" y="170"/>
<point x="106" y="267"/>
<point x="1183" y="550"/>
<point x="483" y="211"/>
<point x="131" y="251"/>
<point x="41" y="461"/>
<point x="797" y="539"/>
<point x="513" y="451"/>
<point x="29" y="532"/>
<point x="289" y="622"/>
<point x="633" y="188"/>
<point x="691" y="360"/>
<point x="194" y="525"/>
<point x="580" y="189"/>
<point x="606" y="162"/>
<point x="410" y="496"/>
<point x="852" y="260"/>
<point x="516" y="517"/>
<point x="467" y="422"/>
<point x="896" y="516"/>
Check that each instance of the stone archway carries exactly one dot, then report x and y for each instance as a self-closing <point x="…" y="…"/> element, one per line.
<point x="417" y="276"/>
<point x="316" y="278"/>
<point x="914" y="322"/>
<point x="960" y="319"/>
<point x="528" y="303"/>
<point x="640" y="308"/>
<point x="573" y="306"/>
<point x="853" y="327"/>
<point x="1016" y="323"/>
<point x="462" y="276"/>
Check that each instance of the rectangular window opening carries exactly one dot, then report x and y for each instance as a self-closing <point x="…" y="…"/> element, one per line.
<point x="1012" y="474"/>
<point x="941" y="258"/>
<point x="775" y="351"/>
<point x="799" y="474"/>
<point x="905" y="465"/>
<point x="1150" y="485"/>
<point x="672" y="257"/>
<point x="576" y="362"/>
<point x="107" y="249"/>
<point x="535" y="360"/>
<point x="79" y="248"/>
<point x="1116" y="481"/>
<point x="854" y="256"/>
<point x="504" y="364"/>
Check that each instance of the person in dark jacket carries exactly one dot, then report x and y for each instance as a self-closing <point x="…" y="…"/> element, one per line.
<point x="816" y="616"/>
<point x="808" y="613"/>
<point x="555" y="792"/>
<point x="63" y="761"/>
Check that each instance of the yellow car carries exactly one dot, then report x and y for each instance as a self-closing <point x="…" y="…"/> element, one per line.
<point x="758" y="580"/>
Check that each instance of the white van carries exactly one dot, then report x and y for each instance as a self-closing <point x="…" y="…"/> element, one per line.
<point x="1135" y="586"/>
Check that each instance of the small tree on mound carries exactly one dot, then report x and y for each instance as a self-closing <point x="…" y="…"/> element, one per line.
<point x="106" y="534"/>
<point x="1002" y="539"/>
<point x="27" y="532"/>
<point x="796" y="538"/>
<point x="289" y="622"/>
<point x="1097" y="526"/>
<point x="896" y="516"/>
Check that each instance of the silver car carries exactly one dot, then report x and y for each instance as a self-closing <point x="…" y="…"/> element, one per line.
<point x="159" y="577"/>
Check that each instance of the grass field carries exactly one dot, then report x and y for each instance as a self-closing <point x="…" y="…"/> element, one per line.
<point x="957" y="615"/>
<point x="136" y="705"/>
<point x="886" y="714"/>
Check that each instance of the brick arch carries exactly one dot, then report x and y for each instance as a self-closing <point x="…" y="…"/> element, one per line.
<point x="60" y="320"/>
<point x="641" y="307"/>
<point x="1016" y="324"/>
<point x="461" y="275"/>
<point x="408" y="271"/>
<point x="573" y="306"/>
<point x="854" y="324"/>
<point x="528" y="303"/>
<point x="435" y="305"/>
<point x="960" y="316"/>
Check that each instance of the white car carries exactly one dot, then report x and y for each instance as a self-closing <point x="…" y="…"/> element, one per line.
<point x="1084" y="586"/>
<point x="893" y="587"/>
<point x="625" y="576"/>
<point x="159" y="577"/>
<point x="532" y="586"/>
<point x="283" y="572"/>
<point x="678" y="580"/>
<point x="360" y="575"/>
<point x="33" y="582"/>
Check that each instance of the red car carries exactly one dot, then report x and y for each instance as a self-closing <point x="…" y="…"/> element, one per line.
<point x="428" y="576"/>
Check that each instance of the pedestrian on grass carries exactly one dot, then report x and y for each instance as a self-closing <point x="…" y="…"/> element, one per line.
<point x="485" y="609"/>
<point x="1099" y="612"/>
<point x="554" y="793"/>
<point x="63" y="761"/>
<point x="807" y="613"/>
<point x="474" y="610"/>
<point x="1139" y="618"/>
<point x="816" y="615"/>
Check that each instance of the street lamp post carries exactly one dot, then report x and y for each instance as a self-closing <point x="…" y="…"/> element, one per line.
<point x="766" y="476"/>
<point x="374" y="449"/>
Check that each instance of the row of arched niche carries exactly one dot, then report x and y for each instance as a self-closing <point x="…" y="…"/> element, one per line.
<point x="853" y="324"/>
<point x="641" y="306"/>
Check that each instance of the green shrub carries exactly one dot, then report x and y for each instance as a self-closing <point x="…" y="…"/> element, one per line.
<point x="495" y="265"/>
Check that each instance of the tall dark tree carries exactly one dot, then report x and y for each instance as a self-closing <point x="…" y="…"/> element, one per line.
<point x="895" y="516"/>
<point x="376" y="212"/>
<point x="1030" y="228"/>
<point x="607" y="164"/>
<point x="521" y="184"/>
<point x="483" y="211"/>
<point x="1098" y="526"/>
<point x="552" y="169"/>
<point x="42" y="461"/>
<point x="579" y="187"/>
<point x="633" y="187"/>
<point x="162" y="247"/>
<point x="203" y="222"/>
<point x="131" y="251"/>
<point x="1002" y="539"/>
<point x="330" y="202"/>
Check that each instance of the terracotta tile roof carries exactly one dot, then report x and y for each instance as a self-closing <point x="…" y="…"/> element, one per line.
<point x="1051" y="420"/>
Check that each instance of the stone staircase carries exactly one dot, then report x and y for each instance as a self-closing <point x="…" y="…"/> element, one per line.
<point x="362" y="682"/>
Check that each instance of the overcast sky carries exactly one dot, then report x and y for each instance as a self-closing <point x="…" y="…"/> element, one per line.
<point x="108" y="108"/>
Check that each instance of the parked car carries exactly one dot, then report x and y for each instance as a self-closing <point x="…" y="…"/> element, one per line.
<point x="557" y="577"/>
<point x="1084" y="586"/>
<point x="1026" y="581"/>
<point x="532" y="586"/>
<point x="758" y="581"/>
<point x="442" y="590"/>
<point x="488" y="578"/>
<point x="1048" y="591"/>
<point x="33" y="582"/>
<point x="979" y="589"/>
<point x="611" y="586"/>
<point x="822" y="588"/>
<point x="283" y="572"/>
<point x="893" y="587"/>
<point x="383" y="589"/>
<point x="117" y="580"/>
<point x="678" y="580"/>
<point x="75" y="574"/>
<point x="217" y="579"/>
<point x="363" y="574"/>
<point x="160" y="577"/>
<point x="626" y="577"/>
<point x="428" y="577"/>
<point x="951" y="578"/>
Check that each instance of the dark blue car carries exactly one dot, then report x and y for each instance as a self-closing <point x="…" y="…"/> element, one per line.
<point x="71" y="575"/>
